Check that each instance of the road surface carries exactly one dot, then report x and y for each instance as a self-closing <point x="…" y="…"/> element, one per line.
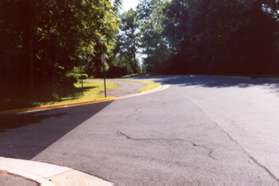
<point x="203" y="130"/>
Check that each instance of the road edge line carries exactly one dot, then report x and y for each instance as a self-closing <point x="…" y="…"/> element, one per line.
<point x="159" y="89"/>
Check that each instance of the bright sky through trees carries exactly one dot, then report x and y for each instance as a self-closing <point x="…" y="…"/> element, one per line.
<point x="128" y="4"/>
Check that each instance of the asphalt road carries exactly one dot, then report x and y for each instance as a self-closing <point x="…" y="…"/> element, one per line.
<point x="201" y="131"/>
<point x="125" y="87"/>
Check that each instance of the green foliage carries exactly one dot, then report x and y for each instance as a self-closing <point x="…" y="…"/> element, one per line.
<point x="61" y="33"/>
<point x="176" y="23"/>
<point x="210" y="36"/>
<point x="42" y="40"/>
<point x="77" y="76"/>
<point x="228" y="37"/>
<point x="127" y="43"/>
<point x="117" y="5"/>
<point x="153" y="43"/>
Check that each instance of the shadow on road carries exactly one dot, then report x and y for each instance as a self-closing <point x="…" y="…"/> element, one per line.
<point x="216" y="81"/>
<point x="24" y="136"/>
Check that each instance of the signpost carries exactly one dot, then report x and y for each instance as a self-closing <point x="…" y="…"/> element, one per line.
<point x="103" y="58"/>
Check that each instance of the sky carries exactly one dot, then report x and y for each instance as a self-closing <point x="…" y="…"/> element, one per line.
<point x="128" y="4"/>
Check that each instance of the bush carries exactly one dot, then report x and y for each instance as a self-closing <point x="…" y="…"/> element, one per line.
<point x="83" y="76"/>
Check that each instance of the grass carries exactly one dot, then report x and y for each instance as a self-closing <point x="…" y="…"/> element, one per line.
<point x="92" y="91"/>
<point x="148" y="85"/>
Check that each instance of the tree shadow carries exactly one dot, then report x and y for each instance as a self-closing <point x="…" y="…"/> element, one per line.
<point x="9" y="98"/>
<point x="26" y="135"/>
<point x="215" y="81"/>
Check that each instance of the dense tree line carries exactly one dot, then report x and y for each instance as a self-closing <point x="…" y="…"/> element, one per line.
<point x="210" y="36"/>
<point x="43" y="40"/>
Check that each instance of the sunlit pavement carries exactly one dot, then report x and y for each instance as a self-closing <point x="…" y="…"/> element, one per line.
<point x="203" y="130"/>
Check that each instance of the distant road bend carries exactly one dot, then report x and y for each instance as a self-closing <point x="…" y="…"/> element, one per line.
<point x="203" y="130"/>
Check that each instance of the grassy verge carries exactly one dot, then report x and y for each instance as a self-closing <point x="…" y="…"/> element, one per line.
<point x="148" y="85"/>
<point x="92" y="91"/>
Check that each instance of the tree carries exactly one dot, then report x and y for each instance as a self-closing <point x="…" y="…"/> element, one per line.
<point x="128" y="42"/>
<point x="229" y="37"/>
<point x="117" y="4"/>
<point x="42" y="40"/>
<point x="211" y="36"/>
<point x="152" y="40"/>
<point x="176" y="23"/>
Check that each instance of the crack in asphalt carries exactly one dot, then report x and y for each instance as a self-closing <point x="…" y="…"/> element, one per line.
<point x="209" y="154"/>
<point x="210" y="151"/>
<point x="251" y="157"/>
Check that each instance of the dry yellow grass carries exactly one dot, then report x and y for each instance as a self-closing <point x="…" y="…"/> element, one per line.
<point x="92" y="91"/>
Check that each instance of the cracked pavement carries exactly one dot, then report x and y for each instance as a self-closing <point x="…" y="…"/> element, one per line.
<point x="210" y="151"/>
<point x="201" y="131"/>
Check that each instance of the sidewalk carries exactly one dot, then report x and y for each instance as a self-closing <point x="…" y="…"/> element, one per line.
<point x="7" y="179"/>
<point x="15" y="172"/>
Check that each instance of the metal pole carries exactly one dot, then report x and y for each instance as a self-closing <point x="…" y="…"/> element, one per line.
<point x="105" y="84"/>
<point x="104" y="74"/>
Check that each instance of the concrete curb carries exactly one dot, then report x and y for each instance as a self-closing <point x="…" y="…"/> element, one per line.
<point x="161" y="88"/>
<point x="55" y="107"/>
<point x="47" y="108"/>
<point x="49" y="175"/>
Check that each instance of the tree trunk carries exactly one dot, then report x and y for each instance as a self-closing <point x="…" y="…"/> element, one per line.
<point x="28" y="44"/>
